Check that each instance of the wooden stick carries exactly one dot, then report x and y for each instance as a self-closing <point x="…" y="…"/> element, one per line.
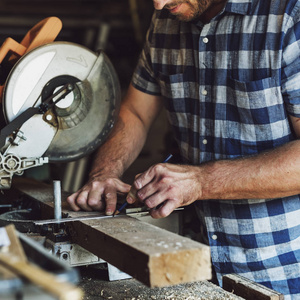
<point x="16" y="261"/>
<point x="36" y="275"/>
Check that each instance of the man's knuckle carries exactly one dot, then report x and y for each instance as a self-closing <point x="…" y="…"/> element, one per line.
<point x="70" y="199"/>
<point x="141" y="195"/>
<point x="108" y="195"/>
<point x="93" y="202"/>
<point x="157" y="168"/>
<point x="109" y="181"/>
<point x="149" y="203"/>
<point x="81" y="200"/>
<point x="95" y="184"/>
<point x="165" y="181"/>
<point x="164" y="214"/>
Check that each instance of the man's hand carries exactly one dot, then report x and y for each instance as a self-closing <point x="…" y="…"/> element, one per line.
<point x="137" y="113"/>
<point x="164" y="187"/>
<point x="98" y="193"/>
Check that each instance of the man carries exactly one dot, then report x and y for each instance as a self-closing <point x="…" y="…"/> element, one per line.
<point x="228" y="74"/>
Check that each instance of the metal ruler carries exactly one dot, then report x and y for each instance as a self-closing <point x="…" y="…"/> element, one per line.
<point x="64" y="220"/>
<point x="134" y="212"/>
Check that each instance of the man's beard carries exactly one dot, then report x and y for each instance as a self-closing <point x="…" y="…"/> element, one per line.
<point x="196" y="9"/>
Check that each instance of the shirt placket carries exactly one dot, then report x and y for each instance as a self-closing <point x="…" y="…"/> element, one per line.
<point x="205" y="94"/>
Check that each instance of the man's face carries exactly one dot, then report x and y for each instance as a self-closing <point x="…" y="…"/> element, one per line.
<point x="185" y="10"/>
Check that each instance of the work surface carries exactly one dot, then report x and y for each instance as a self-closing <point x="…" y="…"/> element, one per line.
<point x="97" y="288"/>
<point x="150" y="254"/>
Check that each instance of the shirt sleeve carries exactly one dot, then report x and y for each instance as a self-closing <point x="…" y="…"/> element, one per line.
<point x="290" y="73"/>
<point x="143" y="77"/>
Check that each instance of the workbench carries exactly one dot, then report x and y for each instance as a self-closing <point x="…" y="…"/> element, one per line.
<point x="96" y="287"/>
<point x="177" y="268"/>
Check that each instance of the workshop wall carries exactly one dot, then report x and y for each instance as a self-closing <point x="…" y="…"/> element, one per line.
<point x="116" y="26"/>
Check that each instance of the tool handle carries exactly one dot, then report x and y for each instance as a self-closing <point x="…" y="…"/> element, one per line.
<point x="13" y="46"/>
<point x="42" y="33"/>
<point x="41" y="278"/>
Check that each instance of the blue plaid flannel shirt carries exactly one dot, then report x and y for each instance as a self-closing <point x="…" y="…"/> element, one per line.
<point x="228" y="88"/>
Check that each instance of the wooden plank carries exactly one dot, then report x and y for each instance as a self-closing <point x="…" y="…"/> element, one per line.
<point x="6" y="274"/>
<point x="249" y="289"/>
<point x="15" y="247"/>
<point x="152" y="255"/>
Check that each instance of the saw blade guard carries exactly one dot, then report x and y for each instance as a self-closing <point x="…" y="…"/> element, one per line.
<point x="85" y="117"/>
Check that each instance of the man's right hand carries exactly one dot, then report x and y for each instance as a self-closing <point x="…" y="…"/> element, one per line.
<point x="137" y="113"/>
<point x="99" y="193"/>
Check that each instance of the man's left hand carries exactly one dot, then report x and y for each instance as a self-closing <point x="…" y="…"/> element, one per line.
<point x="165" y="187"/>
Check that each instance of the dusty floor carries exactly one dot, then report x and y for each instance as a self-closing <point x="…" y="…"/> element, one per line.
<point x="97" y="287"/>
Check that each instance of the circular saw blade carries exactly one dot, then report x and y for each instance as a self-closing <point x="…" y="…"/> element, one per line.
<point x="86" y="116"/>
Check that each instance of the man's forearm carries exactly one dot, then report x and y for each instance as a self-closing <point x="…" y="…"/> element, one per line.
<point x="121" y="148"/>
<point x="271" y="174"/>
<point x="137" y="113"/>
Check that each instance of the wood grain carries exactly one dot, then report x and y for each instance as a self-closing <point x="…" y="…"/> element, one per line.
<point x="150" y="254"/>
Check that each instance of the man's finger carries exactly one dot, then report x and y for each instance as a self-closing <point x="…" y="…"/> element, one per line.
<point x="72" y="201"/>
<point x="82" y="199"/>
<point x="95" y="200"/>
<point x="110" y="196"/>
<point x="132" y="195"/>
<point x="163" y="210"/>
<point x="122" y="187"/>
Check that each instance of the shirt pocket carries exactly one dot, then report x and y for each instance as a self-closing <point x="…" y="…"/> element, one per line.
<point x="177" y="86"/>
<point x="180" y="92"/>
<point x="256" y="114"/>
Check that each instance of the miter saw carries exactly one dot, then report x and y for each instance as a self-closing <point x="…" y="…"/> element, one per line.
<point x="60" y="100"/>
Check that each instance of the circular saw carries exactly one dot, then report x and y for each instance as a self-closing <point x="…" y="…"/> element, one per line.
<point x="60" y="101"/>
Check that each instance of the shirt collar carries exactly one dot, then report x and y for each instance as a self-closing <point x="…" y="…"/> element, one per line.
<point x="242" y="7"/>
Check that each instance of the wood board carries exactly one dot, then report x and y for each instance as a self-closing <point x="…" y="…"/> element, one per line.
<point x="248" y="289"/>
<point x="152" y="255"/>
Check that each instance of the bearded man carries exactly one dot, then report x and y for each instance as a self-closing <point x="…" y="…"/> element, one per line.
<point x="228" y="74"/>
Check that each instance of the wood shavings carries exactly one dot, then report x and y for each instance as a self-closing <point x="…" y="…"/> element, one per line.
<point x="131" y="289"/>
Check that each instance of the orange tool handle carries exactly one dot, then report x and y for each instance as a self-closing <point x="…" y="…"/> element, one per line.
<point x="42" y="33"/>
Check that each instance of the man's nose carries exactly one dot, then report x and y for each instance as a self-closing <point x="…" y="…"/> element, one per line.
<point x="159" y="4"/>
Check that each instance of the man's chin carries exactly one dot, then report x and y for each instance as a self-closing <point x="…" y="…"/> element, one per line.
<point x="185" y="17"/>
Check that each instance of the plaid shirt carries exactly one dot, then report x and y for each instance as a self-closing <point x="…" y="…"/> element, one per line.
<point x="228" y="87"/>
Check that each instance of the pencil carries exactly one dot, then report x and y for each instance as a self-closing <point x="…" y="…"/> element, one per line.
<point x="117" y="211"/>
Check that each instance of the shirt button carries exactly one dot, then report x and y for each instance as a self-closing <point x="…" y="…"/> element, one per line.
<point x="204" y="92"/>
<point x="204" y="141"/>
<point x="205" y="40"/>
<point x="214" y="237"/>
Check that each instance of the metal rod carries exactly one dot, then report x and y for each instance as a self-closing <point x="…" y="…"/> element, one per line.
<point x="57" y="199"/>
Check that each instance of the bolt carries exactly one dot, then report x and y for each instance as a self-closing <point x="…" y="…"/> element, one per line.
<point x="48" y="117"/>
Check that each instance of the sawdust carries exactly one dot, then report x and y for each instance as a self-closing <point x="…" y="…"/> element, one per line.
<point x="130" y="289"/>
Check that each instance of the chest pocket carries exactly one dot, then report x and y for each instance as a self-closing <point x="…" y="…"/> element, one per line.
<point x="180" y="92"/>
<point x="256" y="114"/>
